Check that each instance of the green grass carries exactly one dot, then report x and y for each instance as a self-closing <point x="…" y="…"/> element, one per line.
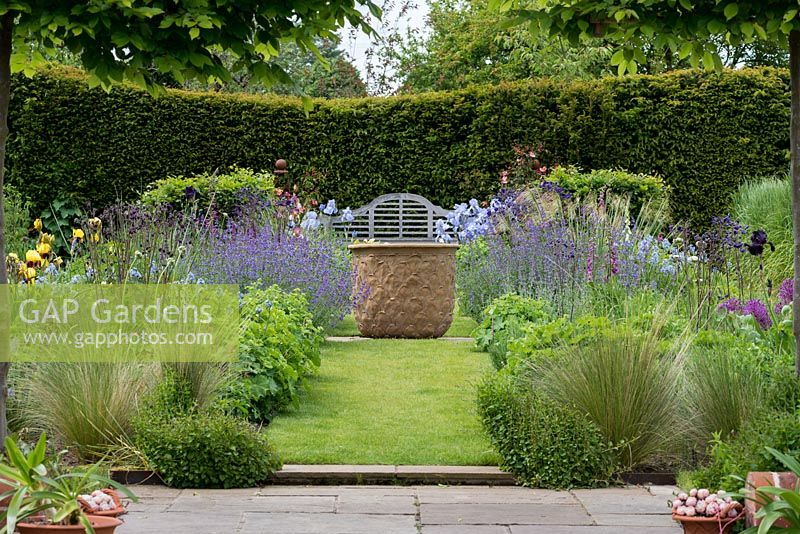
<point x="462" y="327"/>
<point x="405" y="402"/>
<point x="767" y="205"/>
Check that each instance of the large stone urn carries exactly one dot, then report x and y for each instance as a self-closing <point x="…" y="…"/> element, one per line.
<point x="405" y="289"/>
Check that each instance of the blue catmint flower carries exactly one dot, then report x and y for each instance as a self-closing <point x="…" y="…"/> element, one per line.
<point x="135" y="274"/>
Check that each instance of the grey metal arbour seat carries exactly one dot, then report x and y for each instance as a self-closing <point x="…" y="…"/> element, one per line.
<point x="392" y="217"/>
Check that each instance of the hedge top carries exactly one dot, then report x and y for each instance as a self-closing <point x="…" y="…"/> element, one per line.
<point x="703" y="133"/>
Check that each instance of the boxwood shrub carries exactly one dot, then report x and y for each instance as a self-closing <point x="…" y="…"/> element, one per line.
<point x="206" y="450"/>
<point x="228" y="190"/>
<point x="543" y="444"/>
<point x="702" y="132"/>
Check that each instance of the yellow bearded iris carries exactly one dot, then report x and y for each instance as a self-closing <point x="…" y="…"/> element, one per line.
<point x="33" y="259"/>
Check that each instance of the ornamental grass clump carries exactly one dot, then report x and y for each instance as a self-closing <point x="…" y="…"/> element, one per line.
<point x="626" y="383"/>
<point x="85" y="406"/>
<point x="728" y="388"/>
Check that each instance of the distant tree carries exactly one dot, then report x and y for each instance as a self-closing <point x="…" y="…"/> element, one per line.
<point x="324" y="73"/>
<point x="466" y="43"/>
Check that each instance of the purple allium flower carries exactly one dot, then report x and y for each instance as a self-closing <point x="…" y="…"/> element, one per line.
<point x="785" y="294"/>
<point x="732" y="305"/>
<point x="759" y="311"/>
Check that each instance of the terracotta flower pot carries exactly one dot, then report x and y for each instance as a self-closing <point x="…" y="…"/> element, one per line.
<point x="704" y="525"/>
<point x="409" y="288"/>
<point x="117" y="511"/>
<point x="101" y="525"/>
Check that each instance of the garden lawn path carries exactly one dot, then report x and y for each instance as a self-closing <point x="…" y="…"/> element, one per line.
<point x="396" y="402"/>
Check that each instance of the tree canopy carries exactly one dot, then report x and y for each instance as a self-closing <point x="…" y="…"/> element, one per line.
<point x="691" y="29"/>
<point x="125" y="39"/>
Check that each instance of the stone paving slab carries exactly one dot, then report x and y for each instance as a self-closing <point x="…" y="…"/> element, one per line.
<point x="628" y="501"/>
<point x="398" y="510"/>
<point x="497" y="495"/>
<point x="259" y="523"/>
<point x="376" y="504"/>
<point x="503" y="514"/>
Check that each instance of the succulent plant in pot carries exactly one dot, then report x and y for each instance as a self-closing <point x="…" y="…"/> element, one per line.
<point x="44" y="502"/>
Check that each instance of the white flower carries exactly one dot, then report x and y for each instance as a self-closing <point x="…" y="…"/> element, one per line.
<point x="310" y="221"/>
<point x="347" y="215"/>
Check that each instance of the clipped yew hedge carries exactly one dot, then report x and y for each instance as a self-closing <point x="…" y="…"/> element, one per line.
<point x="702" y="132"/>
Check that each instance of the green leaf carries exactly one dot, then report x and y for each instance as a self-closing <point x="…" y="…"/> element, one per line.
<point x="618" y="57"/>
<point x="731" y="10"/>
<point x="194" y="33"/>
<point x="747" y="29"/>
<point x="686" y="50"/>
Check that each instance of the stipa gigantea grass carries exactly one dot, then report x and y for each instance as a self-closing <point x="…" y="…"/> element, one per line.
<point x="723" y="390"/>
<point x="628" y="384"/>
<point x="84" y="405"/>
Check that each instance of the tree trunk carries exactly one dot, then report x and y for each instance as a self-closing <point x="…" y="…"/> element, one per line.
<point x="6" y="31"/>
<point x="794" y="67"/>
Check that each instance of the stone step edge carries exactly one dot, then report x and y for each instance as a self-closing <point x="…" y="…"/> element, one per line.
<point x="293" y="474"/>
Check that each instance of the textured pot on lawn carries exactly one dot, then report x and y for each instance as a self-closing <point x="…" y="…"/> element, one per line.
<point x="101" y="525"/>
<point x="408" y="289"/>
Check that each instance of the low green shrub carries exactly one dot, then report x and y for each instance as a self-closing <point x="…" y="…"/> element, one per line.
<point x="641" y="188"/>
<point x="746" y="452"/>
<point x="537" y="339"/>
<point x="544" y="444"/>
<point x="503" y="322"/>
<point x="279" y="348"/>
<point x="206" y="450"/>
<point x="227" y="191"/>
